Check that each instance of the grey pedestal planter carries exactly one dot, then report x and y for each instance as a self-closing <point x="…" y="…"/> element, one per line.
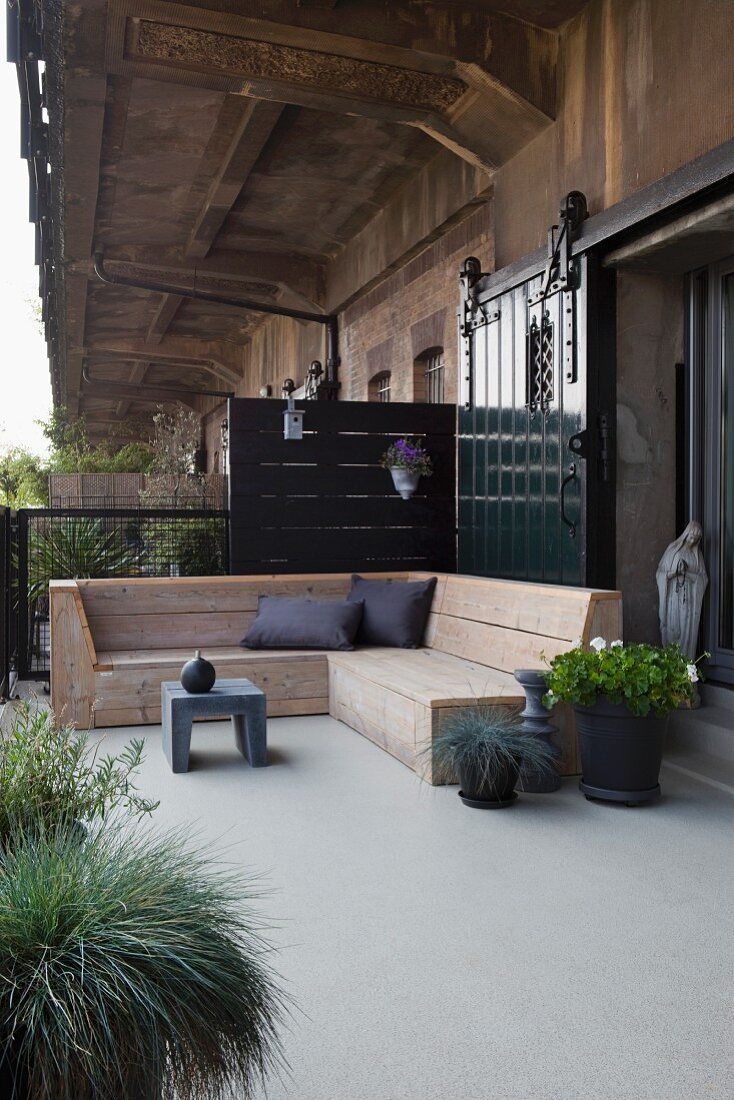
<point x="535" y="721"/>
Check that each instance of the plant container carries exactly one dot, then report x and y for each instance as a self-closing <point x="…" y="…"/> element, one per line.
<point x="493" y="794"/>
<point x="405" y="481"/>
<point x="621" y="753"/>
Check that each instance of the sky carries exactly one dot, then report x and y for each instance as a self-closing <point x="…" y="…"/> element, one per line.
<point x="25" y="393"/>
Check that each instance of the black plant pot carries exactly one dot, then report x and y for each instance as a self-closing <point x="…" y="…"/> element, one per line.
<point x="13" y="1074"/>
<point x="621" y="753"/>
<point x="493" y="794"/>
<point x="198" y="675"/>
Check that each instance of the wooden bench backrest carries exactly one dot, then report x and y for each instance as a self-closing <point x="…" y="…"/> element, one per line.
<point x="502" y="624"/>
<point x="151" y="613"/>
<point x="508" y="624"/>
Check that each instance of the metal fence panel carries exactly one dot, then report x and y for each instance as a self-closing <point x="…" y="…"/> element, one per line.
<point x="61" y="544"/>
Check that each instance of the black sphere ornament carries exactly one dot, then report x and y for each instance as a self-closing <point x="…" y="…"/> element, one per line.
<point x="198" y="675"/>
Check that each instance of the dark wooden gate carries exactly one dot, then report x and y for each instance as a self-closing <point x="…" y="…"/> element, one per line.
<point x="323" y="504"/>
<point x="536" y="461"/>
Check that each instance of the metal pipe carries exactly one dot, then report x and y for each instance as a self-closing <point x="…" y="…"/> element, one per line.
<point x="202" y="294"/>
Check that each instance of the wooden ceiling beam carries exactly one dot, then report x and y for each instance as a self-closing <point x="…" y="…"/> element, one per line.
<point x="254" y="127"/>
<point x="484" y="110"/>
<point x="175" y="352"/>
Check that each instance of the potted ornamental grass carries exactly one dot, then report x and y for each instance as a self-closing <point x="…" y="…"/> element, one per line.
<point x="133" y="969"/>
<point x="485" y="747"/>
<point x="622" y="696"/>
<point x="408" y="461"/>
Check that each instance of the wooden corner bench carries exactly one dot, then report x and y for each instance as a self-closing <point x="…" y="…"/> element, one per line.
<point x="114" y="641"/>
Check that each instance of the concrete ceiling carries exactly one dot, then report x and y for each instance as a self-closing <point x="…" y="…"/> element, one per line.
<point x="243" y="146"/>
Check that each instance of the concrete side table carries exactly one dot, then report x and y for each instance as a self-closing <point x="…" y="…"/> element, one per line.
<point x="240" y="698"/>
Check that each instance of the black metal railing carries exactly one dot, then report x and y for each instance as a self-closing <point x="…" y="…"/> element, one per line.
<point x="58" y="544"/>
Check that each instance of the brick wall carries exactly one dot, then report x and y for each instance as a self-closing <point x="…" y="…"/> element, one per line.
<point x="411" y="311"/>
<point x="386" y="329"/>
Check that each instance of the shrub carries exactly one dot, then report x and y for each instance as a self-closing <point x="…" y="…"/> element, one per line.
<point x="50" y="775"/>
<point x="643" y="677"/>
<point x="131" y="969"/>
<point x="75" y="548"/>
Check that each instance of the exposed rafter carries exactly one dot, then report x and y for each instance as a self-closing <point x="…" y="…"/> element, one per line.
<point x="482" y="116"/>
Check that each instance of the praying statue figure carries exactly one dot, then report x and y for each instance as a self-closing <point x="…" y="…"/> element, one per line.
<point x="682" y="581"/>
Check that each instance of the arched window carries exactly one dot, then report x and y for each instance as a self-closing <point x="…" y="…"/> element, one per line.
<point x="429" y="377"/>
<point x="379" y="386"/>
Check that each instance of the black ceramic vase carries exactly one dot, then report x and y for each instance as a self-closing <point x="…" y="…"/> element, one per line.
<point x="198" y="675"/>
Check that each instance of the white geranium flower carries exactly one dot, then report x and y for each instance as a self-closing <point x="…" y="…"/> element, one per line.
<point x="692" y="673"/>
<point x="598" y="644"/>
<point x="576" y="643"/>
<point x="617" y="644"/>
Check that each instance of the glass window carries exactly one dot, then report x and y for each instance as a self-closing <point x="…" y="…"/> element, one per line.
<point x="379" y="388"/>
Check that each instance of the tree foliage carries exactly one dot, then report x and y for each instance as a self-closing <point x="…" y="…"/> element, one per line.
<point x="23" y="479"/>
<point x="72" y="452"/>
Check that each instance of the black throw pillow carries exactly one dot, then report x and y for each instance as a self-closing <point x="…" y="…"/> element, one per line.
<point x="395" y="612"/>
<point x="286" y="622"/>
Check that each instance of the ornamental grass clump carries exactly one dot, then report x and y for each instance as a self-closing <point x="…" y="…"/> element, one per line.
<point x="485" y="740"/>
<point x="408" y="454"/>
<point x="643" y="677"/>
<point x="132" y="970"/>
<point x="51" y="776"/>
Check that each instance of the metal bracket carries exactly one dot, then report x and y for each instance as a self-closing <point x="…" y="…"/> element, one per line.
<point x="473" y="315"/>
<point x="605" y="446"/>
<point x="560" y="273"/>
<point x="571" y="476"/>
<point x="579" y="444"/>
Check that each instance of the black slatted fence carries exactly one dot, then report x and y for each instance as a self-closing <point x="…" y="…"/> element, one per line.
<point x="324" y="504"/>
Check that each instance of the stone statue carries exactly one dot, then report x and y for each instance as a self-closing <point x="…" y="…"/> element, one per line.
<point x="682" y="581"/>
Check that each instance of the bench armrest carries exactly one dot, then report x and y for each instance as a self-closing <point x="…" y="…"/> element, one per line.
<point x="73" y="656"/>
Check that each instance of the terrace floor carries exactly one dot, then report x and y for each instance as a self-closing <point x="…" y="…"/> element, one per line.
<point x="559" y="949"/>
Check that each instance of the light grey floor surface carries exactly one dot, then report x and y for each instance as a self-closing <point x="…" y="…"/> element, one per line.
<point x="557" y="950"/>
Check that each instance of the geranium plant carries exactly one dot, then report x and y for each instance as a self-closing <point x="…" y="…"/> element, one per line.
<point x="644" y="677"/>
<point x="408" y="454"/>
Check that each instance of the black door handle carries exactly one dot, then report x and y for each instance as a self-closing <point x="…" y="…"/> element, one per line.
<point x="566" y="481"/>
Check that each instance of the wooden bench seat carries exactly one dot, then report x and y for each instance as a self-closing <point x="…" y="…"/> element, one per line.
<point x="114" y="641"/>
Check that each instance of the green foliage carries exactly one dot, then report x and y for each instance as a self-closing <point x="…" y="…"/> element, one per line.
<point x="23" y="479"/>
<point x="78" y="547"/>
<point x="49" y="774"/>
<point x="643" y="677"/>
<point x="184" y="546"/>
<point x="485" y="738"/>
<point x="72" y="451"/>
<point x="131" y="968"/>
<point x="176" y="439"/>
<point x="408" y="454"/>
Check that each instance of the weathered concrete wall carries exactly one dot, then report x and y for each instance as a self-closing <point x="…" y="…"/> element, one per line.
<point x="644" y="87"/>
<point x="649" y="344"/>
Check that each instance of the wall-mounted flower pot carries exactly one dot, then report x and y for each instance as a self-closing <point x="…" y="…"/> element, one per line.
<point x="405" y="481"/>
<point x="621" y="753"/>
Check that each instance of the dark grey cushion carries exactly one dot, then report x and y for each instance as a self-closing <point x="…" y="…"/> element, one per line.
<point x="395" y="612"/>
<point x="285" y="622"/>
